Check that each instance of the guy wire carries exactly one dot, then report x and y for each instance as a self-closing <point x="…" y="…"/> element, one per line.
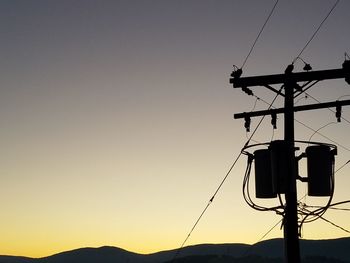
<point x="222" y="182"/>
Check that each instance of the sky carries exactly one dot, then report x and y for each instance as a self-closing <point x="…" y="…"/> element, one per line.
<point x="117" y="119"/>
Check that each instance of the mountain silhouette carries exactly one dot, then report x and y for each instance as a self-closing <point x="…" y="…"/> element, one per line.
<point x="335" y="249"/>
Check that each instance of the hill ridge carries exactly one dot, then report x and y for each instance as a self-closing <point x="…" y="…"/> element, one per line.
<point x="336" y="248"/>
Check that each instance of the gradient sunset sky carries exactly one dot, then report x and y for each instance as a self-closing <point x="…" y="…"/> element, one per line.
<point x="117" y="118"/>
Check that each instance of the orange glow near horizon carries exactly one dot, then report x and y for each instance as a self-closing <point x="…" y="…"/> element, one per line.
<point x="117" y="119"/>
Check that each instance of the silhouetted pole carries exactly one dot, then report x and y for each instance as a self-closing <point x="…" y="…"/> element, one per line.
<point x="290" y="80"/>
<point x="290" y="226"/>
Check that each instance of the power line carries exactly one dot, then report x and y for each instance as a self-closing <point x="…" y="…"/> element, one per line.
<point x="324" y="126"/>
<point x="328" y="108"/>
<point x="333" y="224"/>
<point x="252" y="134"/>
<point x="341" y="209"/>
<point x="341" y="167"/>
<point x="318" y="28"/>
<point x="221" y="184"/>
<point x="261" y="30"/>
<point x="315" y="131"/>
<point x="324" y="136"/>
<point x="263" y="236"/>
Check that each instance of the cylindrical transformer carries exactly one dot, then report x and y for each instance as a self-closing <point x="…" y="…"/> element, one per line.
<point x="279" y="165"/>
<point x="263" y="177"/>
<point x="320" y="167"/>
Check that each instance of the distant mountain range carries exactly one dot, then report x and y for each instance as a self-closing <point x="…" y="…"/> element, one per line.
<point x="337" y="249"/>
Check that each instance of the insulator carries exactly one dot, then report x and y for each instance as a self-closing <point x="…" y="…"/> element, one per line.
<point x="274" y="120"/>
<point x="297" y="87"/>
<point x="264" y="185"/>
<point x="346" y="67"/>
<point x="248" y="91"/>
<point x="338" y="113"/>
<point x="237" y="73"/>
<point x="320" y="169"/>
<point x="307" y="67"/>
<point x="289" y="69"/>
<point x="247" y="123"/>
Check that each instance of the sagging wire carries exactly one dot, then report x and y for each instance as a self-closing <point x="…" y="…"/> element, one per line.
<point x="340" y="117"/>
<point x="306" y="215"/>
<point x="312" y="129"/>
<point x="303" y="208"/>
<point x="322" y="135"/>
<point x="314" y="215"/>
<point x="310" y="216"/>
<point x="248" y="120"/>
<point x="255" y="103"/>
<point x="336" y="171"/>
<point x="328" y="221"/>
<point x="246" y="188"/>
<point x="248" y="137"/>
<point x="302" y="98"/>
<point x="324" y="126"/>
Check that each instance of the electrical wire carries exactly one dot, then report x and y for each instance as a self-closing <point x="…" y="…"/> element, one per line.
<point x="333" y="224"/>
<point x="312" y="129"/>
<point x="322" y="135"/>
<point x="256" y="101"/>
<point x="321" y="210"/>
<point x="341" y="167"/>
<point x="250" y="248"/>
<point x="206" y="207"/>
<point x="342" y="209"/>
<point x="221" y="184"/>
<point x="330" y="222"/>
<point x="258" y="36"/>
<point x="308" y="216"/>
<point x="335" y="204"/>
<point x="305" y="98"/>
<point x="314" y="215"/>
<point x="330" y="108"/>
<point x="316" y="31"/>
<point x="318" y="213"/>
<point x="343" y="96"/>
<point x="246" y="192"/>
<point x="324" y="126"/>
<point x="246" y="178"/>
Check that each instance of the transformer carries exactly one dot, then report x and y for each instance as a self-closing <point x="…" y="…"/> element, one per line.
<point x="264" y="185"/>
<point x="320" y="169"/>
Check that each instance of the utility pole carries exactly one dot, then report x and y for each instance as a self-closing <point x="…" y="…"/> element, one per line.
<point x="292" y="89"/>
<point x="291" y="240"/>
